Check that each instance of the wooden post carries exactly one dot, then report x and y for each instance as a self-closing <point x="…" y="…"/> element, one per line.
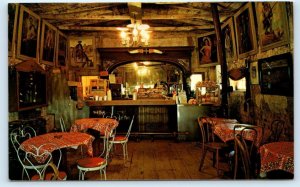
<point x="221" y="57"/>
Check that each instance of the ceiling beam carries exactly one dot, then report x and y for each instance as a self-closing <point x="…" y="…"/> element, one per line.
<point x="163" y="29"/>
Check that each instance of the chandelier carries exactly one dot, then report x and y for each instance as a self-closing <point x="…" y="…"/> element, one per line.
<point x="135" y="34"/>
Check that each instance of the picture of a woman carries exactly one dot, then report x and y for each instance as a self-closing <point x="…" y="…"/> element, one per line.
<point x="205" y="51"/>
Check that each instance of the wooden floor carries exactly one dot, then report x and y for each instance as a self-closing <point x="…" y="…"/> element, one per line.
<point x="156" y="160"/>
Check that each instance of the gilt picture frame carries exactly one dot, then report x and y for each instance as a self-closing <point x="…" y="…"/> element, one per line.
<point x="207" y="50"/>
<point x="272" y="24"/>
<point x="13" y="14"/>
<point x="245" y="31"/>
<point x="62" y="50"/>
<point x="28" y="34"/>
<point x="229" y="41"/>
<point x="48" y="44"/>
<point x="82" y="52"/>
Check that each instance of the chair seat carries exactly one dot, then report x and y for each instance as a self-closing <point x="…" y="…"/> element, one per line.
<point x="120" y="138"/>
<point x="91" y="162"/>
<point x="49" y="176"/>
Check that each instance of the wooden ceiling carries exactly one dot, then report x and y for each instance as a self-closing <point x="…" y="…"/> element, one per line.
<point x="76" y="18"/>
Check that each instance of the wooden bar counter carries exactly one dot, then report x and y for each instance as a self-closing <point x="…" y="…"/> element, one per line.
<point x="153" y="116"/>
<point x="139" y="102"/>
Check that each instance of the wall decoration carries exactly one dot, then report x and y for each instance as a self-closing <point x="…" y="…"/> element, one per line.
<point x="48" y="44"/>
<point x="207" y="49"/>
<point x="276" y="75"/>
<point x="12" y="26"/>
<point x="254" y="73"/>
<point x="82" y="52"/>
<point x="28" y="34"/>
<point x="272" y="24"/>
<point x="229" y="42"/>
<point x="245" y="31"/>
<point x="61" y="56"/>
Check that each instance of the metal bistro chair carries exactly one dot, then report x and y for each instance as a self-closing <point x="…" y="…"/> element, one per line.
<point x="276" y="130"/>
<point x="96" y="163"/>
<point x="46" y="175"/>
<point x="123" y="140"/>
<point x="62" y="124"/>
<point x="208" y="142"/>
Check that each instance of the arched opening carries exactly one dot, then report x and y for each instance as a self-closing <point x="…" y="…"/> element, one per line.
<point x="150" y="74"/>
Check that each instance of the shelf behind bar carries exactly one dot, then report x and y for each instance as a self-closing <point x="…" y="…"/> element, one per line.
<point x="139" y="102"/>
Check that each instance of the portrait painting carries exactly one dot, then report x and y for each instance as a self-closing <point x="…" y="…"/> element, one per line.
<point x="48" y="44"/>
<point x="245" y="31"/>
<point x="229" y="42"/>
<point x="61" y="49"/>
<point x="207" y="49"/>
<point x="28" y="34"/>
<point x="82" y="52"/>
<point x="272" y="24"/>
<point x="12" y="26"/>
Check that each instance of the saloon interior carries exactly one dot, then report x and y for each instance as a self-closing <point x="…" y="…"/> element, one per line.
<point x="151" y="91"/>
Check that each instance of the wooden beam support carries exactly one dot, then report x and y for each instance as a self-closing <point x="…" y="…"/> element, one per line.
<point x="162" y="29"/>
<point x="221" y="57"/>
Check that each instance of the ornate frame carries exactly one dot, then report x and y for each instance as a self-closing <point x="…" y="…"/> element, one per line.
<point x="277" y="34"/>
<point x="13" y="13"/>
<point x="62" y="50"/>
<point x="211" y="59"/>
<point x="28" y="43"/>
<point x="230" y="48"/>
<point x="48" y="44"/>
<point x="245" y="31"/>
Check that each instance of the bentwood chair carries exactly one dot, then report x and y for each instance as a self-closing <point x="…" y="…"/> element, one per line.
<point x="208" y="142"/>
<point x="123" y="140"/>
<point x="246" y="156"/>
<point x="96" y="163"/>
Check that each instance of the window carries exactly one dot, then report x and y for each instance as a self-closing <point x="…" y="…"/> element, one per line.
<point x="239" y="85"/>
<point x="194" y="79"/>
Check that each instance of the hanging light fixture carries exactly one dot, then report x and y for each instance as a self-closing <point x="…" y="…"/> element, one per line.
<point x="135" y="34"/>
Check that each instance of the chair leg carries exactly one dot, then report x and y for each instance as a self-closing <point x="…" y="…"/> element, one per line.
<point x="235" y="164"/>
<point x="202" y="159"/>
<point x="217" y="152"/>
<point x="124" y="151"/>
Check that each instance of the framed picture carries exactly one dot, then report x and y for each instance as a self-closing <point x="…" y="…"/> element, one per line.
<point x="254" y="73"/>
<point x="82" y="52"/>
<point x="272" y="24"/>
<point x="207" y="49"/>
<point x="28" y="34"/>
<point x="13" y="10"/>
<point x="276" y="75"/>
<point x="61" y="55"/>
<point x="48" y="43"/>
<point x="245" y="31"/>
<point x="229" y="42"/>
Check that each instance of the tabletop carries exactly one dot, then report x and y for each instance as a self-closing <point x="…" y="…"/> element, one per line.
<point x="277" y="156"/>
<point x="60" y="140"/>
<point x="225" y="131"/>
<point x="99" y="124"/>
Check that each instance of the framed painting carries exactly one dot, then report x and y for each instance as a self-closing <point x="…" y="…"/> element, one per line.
<point x="276" y="75"/>
<point x="207" y="49"/>
<point x="82" y="52"/>
<point x="245" y="31"/>
<point x="229" y="42"/>
<point x="61" y="55"/>
<point x="13" y="10"/>
<point x="272" y="24"/>
<point x="28" y="34"/>
<point x="48" y="44"/>
<point x="254" y="79"/>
